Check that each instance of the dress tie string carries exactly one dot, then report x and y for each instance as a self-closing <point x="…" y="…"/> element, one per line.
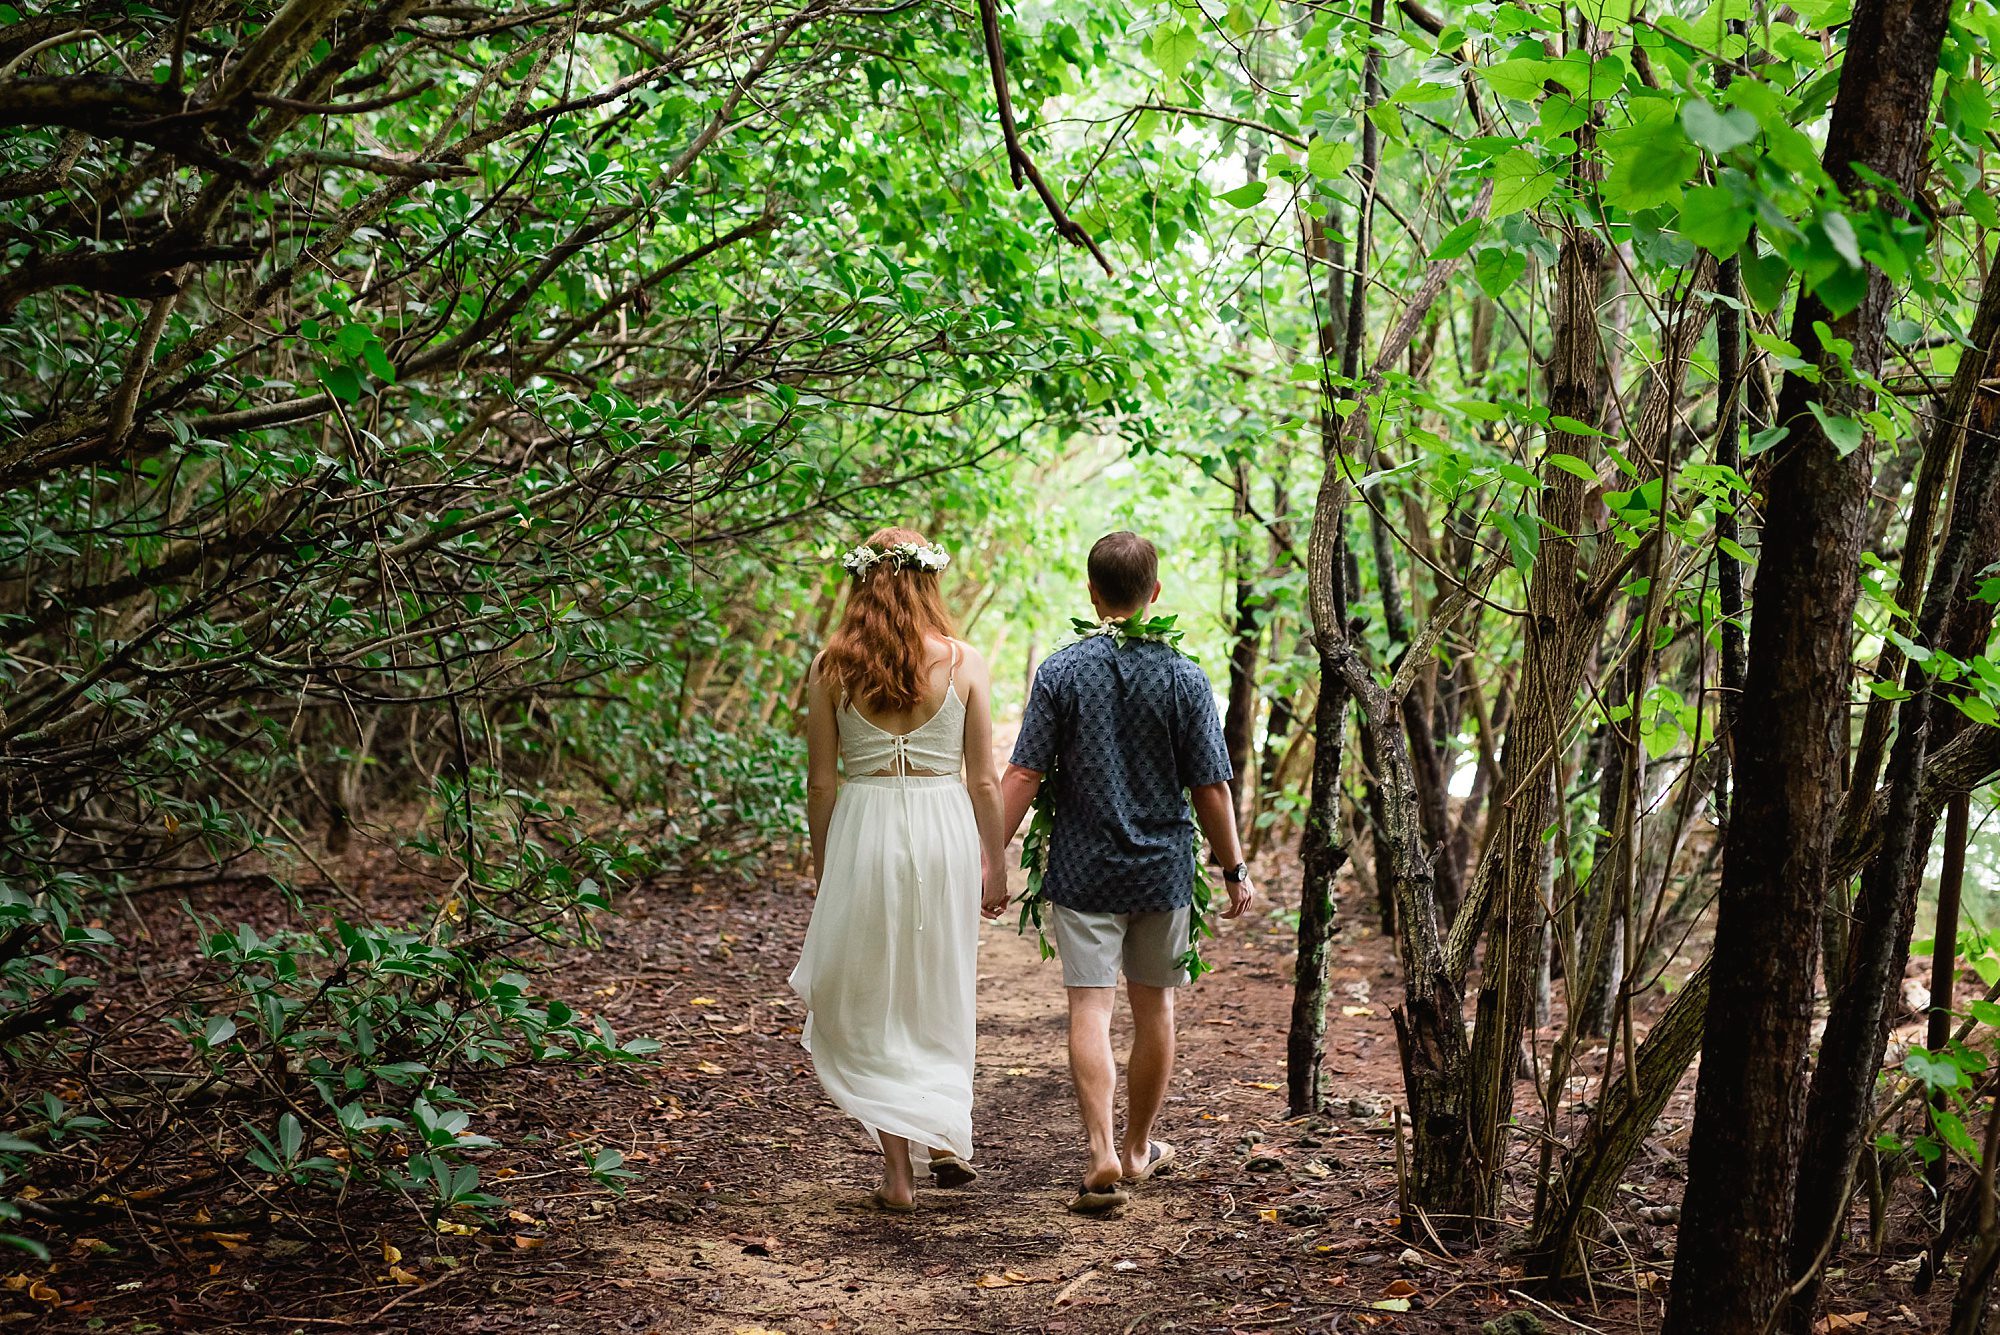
<point x="899" y="744"/>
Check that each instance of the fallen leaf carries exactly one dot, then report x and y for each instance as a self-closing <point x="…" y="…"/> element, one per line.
<point x="702" y="1001"/>
<point x="453" y="1226"/>
<point x="1838" y="1321"/>
<point x="526" y="1243"/>
<point x="1392" y="1305"/>
<point x="43" y="1292"/>
<point x="391" y="1254"/>
<point x="1009" y="1278"/>
<point x="402" y="1276"/>
<point x="1356" y="1012"/>
<point x="1401" y="1288"/>
<point x="709" y="1068"/>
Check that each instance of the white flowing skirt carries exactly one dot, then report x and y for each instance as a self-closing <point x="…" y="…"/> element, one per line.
<point x="888" y="973"/>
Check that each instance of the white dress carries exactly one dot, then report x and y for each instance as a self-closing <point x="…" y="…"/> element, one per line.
<point x="889" y="967"/>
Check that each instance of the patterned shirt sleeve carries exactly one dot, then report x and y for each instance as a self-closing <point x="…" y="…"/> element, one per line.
<point x="1035" y="744"/>
<point x="1204" y="756"/>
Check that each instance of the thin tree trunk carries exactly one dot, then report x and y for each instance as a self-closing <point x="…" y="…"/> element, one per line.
<point x="1558" y="637"/>
<point x="1239" y="719"/>
<point x="1944" y="960"/>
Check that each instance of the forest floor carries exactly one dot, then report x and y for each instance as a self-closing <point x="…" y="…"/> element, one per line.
<point x="749" y="1211"/>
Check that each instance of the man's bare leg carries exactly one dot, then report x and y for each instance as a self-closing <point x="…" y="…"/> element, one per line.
<point x="1094" y="1071"/>
<point x="1146" y="1075"/>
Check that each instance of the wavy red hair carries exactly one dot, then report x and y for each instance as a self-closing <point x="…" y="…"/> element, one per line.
<point x="877" y="653"/>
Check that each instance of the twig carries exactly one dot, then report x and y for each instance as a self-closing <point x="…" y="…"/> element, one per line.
<point x="1018" y="161"/>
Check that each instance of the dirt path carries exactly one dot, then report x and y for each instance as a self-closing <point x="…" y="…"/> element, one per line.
<point x="1227" y="1242"/>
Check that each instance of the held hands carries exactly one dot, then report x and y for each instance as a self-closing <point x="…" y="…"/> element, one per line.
<point x="993" y="879"/>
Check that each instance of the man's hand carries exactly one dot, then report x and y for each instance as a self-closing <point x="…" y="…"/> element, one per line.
<point x="993" y="902"/>
<point x="1240" y="894"/>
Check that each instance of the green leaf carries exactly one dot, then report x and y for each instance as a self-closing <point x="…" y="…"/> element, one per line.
<point x="1521" y="80"/>
<point x="1245" y="196"/>
<point x="1496" y="269"/>
<point x="1571" y="426"/>
<point x="1570" y="464"/>
<point x="1715" y="130"/>
<point x="1712" y="218"/>
<point x="341" y="382"/>
<point x="1937" y="1072"/>
<point x="1513" y="472"/>
<point x="1174" y="49"/>
<point x="1978" y="709"/>
<point x="377" y="359"/>
<point x="1650" y="163"/>
<point x="1844" y="432"/>
<point x="1606" y="14"/>
<point x="1329" y="158"/>
<point x="1520" y="181"/>
<point x="1459" y="239"/>
<point x="1765" y="278"/>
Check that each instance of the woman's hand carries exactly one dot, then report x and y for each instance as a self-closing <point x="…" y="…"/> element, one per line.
<point x="993" y="902"/>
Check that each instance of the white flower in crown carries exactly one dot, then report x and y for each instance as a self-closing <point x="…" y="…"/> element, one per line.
<point x="899" y="557"/>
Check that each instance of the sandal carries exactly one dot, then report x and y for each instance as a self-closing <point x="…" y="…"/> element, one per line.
<point x="952" y="1171"/>
<point x="888" y="1206"/>
<point x="1099" y="1200"/>
<point x="1160" y="1157"/>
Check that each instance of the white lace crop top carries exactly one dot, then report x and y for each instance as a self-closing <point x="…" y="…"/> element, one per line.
<point x="935" y="746"/>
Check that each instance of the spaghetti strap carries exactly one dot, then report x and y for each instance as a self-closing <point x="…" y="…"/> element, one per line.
<point x="952" y="680"/>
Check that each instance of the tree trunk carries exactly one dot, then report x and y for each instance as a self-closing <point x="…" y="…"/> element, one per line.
<point x="1558" y="638"/>
<point x="1239" y="720"/>
<point x="1323" y="856"/>
<point x="1863" y="1007"/>
<point x="1731" y="1266"/>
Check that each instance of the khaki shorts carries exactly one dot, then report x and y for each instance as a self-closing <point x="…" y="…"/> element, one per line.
<point x="1096" y="947"/>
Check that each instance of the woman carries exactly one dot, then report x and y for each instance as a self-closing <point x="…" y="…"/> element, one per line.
<point x="901" y="852"/>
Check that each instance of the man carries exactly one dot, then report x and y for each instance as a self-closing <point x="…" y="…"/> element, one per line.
<point x="1131" y="729"/>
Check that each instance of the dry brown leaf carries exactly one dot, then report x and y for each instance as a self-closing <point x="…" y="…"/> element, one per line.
<point x="709" y="1068"/>
<point x="526" y="1243"/>
<point x="44" y="1292"/>
<point x="1833" y="1321"/>
<point x="402" y="1276"/>
<point x="1401" y="1288"/>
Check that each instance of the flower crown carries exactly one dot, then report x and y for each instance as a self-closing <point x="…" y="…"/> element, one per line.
<point x="902" y="556"/>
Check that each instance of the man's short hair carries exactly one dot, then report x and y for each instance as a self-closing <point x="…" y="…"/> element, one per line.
<point x="1124" y="567"/>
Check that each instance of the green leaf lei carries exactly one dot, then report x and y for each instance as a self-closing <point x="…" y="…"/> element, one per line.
<point x="1041" y="819"/>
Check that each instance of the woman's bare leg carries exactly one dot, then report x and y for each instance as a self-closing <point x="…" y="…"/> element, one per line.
<point x="899" y="1186"/>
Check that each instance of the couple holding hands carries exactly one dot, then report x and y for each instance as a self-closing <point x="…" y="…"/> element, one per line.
<point x="909" y="823"/>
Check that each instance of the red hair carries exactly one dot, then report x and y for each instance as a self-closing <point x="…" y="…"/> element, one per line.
<point x="877" y="653"/>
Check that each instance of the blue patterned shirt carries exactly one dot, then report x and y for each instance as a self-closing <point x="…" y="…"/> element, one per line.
<point x="1127" y="730"/>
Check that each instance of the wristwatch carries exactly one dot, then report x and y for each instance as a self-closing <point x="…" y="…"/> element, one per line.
<point x="1237" y="874"/>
